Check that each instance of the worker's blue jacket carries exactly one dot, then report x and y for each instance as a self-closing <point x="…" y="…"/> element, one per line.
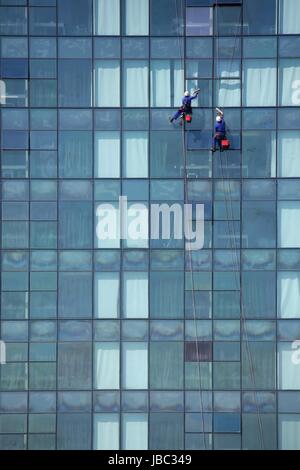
<point x="187" y="101"/>
<point x="220" y="127"/>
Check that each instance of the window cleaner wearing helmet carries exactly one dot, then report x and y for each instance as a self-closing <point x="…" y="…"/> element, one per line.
<point x="186" y="108"/>
<point x="220" y="131"/>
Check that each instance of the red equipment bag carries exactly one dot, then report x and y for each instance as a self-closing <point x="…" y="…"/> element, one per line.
<point x="225" y="144"/>
<point x="188" y="118"/>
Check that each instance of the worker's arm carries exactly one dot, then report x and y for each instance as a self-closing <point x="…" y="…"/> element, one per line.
<point x="195" y="94"/>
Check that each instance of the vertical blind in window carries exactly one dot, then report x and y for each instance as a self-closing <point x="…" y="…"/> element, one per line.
<point x="135" y="292"/>
<point x="134" y="431"/>
<point x="289" y="82"/>
<point x="288" y="154"/>
<point x="228" y="92"/>
<point x="289" y="14"/>
<point x="259" y="82"/>
<point x="289" y="431"/>
<point x="107" y="83"/>
<point x="136" y="226"/>
<point x="135" y="154"/>
<point x="107" y="17"/>
<point x="107" y="295"/>
<point x="289" y="224"/>
<point x="107" y="366"/>
<point x="137" y="18"/>
<point x="289" y="293"/>
<point x="135" y="83"/>
<point x="108" y="227"/>
<point x="167" y="83"/>
<point x="106" y="431"/>
<point x="288" y="371"/>
<point x="134" y="365"/>
<point x="107" y="154"/>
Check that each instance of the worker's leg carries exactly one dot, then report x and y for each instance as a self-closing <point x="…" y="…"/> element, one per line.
<point x="218" y="141"/>
<point x="176" y="115"/>
<point x="221" y="137"/>
<point x="213" y="144"/>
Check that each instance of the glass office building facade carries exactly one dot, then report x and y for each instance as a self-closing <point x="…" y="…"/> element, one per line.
<point x="139" y="344"/>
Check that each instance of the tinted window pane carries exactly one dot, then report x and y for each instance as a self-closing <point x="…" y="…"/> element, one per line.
<point x="74" y="19"/>
<point x="199" y="21"/>
<point x="42" y="21"/>
<point x="75" y="83"/>
<point x="13" y="21"/>
<point x="228" y="21"/>
<point x="166" y="17"/>
<point x="259" y="17"/>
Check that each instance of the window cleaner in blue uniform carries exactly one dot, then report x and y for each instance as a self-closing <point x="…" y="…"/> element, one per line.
<point x="220" y="131"/>
<point x="186" y="109"/>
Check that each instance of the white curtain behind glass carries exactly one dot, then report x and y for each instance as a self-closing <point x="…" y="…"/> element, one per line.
<point x="107" y="366"/>
<point x="107" y="295"/>
<point x="134" y="365"/>
<point x="167" y="79"/>
<point x="137" y="17"/>
<point x="134" y="431"/>
<point x="289" y="94"/>
<point x="135" y="83"/>
<point x="289" y="432"/>
<point x="228" y="92"/>
<point x="107" y="154"/>
<point x="107" y="17"/>
<point x="228" y="69"/>
<point x="259" y="82"/>
<point x="289" y="16"/>
<point x="135" y="154"/>
<point x="272" y="153"/>
<point x="178" y="83"/>
<point x="135" y="290"/>
<point x="160" y="83"/>
<point x="106" y="431"/>
<point x="289" y="224"/>
<point x="107" y="83"/>
<point x="288" y="294"/>
<point x="289" y="154"/>
<point x="107" y="240"/>
<point x="288" y="372"/>
<point x="137" y="225"/>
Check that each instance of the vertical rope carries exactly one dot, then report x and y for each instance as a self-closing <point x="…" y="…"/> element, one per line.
<point x="190" y="257"/>
<point x="234" y="249"/>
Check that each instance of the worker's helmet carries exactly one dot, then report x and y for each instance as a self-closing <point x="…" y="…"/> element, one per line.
<point x="187" y="93"/>
<point x="218" y="119"/>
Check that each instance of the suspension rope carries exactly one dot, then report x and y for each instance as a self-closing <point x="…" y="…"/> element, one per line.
<point x="234" y="249"/>
<point x="232" y="239"/>
<point x="181" y="46"/>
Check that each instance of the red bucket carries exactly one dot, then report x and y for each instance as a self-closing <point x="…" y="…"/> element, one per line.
<point x="188" y="118"/>
<point x="225" y="144"/>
